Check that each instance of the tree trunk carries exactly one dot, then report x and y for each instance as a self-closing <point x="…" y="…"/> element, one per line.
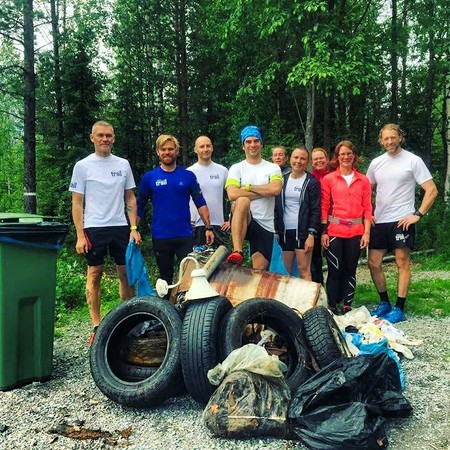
<point x="327" y="124"/>
<point x="394" y="63"/>
<point x="58" y="87"/>
<point x="182" y="79"/>
<point x="403" y="79"/>
<point x="29" y="136"/>
<point x="429" y="92"/>
<point x="310" y="115"/>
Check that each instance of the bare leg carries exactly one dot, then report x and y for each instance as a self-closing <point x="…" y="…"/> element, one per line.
<point x="304" y="264"/>
<point x="376" y="269"/>
<point x="259" y="262"/>
<point x="93" y="294"/>
<point x="239" y="222"/>
<point x="402" y="259"/>
<point x="125" y="291"/>
<point x="288" y="260"/>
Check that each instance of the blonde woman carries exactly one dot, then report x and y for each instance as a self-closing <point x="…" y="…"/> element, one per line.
<point x="297" y="214"/>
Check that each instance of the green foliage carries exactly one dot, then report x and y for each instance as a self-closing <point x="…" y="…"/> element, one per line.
<point x="71" y="282"/>
<point x="246" y="62"/>
<point x="335" y="51"/>
<point x="11" y="144"/>
<point x="432" y="230"/>
<point x="11" y="166"/>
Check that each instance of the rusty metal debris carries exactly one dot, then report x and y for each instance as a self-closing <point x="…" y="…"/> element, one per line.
<point x="117" y="439"/>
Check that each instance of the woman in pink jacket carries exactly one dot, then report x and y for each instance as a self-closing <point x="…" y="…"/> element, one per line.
<point x="346" y="219"/>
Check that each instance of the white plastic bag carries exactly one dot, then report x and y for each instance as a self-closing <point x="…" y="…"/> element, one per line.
<point x="250" y="357"/>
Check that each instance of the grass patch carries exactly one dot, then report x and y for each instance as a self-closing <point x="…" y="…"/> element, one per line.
<point x="432" y="262"/>
<point x="429" y="297"/>
<point x="67" y="317"/>
<point x="429" y="292"/>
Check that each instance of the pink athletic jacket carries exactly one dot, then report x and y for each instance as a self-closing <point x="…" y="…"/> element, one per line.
<point x="346" y="203"/>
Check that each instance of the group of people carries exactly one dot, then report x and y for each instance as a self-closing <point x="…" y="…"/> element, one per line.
<point x="329" y="208"/>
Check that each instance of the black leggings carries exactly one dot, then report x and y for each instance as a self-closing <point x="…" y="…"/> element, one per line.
<point x="316" y="262"/>
<point x="342" y="259"/>
<point x="165" y="251"/>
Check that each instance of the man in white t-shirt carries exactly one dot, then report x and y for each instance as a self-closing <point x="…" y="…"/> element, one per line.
<point x="395" y="175"/>
<point x="253" y="185"/>
<point x="211" y="177"/>
<point x="102" y="187"/>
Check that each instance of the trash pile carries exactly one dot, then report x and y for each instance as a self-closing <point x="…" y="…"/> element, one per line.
<point x="344" y="405"/>
<point x="260" y="367"/>
<point x="365" y="334"/>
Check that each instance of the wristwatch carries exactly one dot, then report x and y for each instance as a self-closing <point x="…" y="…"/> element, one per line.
<point x="312" y="232"/>
<point x="418" y="213"/>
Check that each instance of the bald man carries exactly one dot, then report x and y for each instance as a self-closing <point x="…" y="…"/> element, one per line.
<point x="211" y="177"/>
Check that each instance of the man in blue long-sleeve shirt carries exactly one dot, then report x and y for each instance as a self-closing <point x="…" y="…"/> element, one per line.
<point x="170" y="188"/>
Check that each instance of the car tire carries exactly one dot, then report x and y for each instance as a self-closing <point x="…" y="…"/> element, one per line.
<point x="129" y="385"/>
<point x="199" y="345"/>
<point x="280" y="318"/>
<point x="324" y="337"/>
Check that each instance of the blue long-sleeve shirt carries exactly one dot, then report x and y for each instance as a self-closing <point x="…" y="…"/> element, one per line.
<point x="170" y="193"/>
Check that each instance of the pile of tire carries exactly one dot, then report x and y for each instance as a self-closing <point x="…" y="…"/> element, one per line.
<point x="185" y="343"/>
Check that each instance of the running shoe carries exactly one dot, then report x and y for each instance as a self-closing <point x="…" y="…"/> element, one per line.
<point x="396" y="315"/>
<point x="383" y="309"/>
<point x="346" y="309"/>
<point x="334" y="310"/>
<point x="236" y="258"/>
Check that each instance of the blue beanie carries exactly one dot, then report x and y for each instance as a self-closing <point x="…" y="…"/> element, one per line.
<point x="250" y="131"/>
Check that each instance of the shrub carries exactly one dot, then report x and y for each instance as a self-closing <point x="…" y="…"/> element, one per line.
<point x="71" y="281"/>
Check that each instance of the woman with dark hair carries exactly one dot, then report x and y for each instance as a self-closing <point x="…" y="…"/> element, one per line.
<point x="346" y="219"/>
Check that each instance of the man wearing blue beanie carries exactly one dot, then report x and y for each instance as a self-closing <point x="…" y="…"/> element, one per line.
<point x="252" y="186"/>
<point x="250" y="131"/>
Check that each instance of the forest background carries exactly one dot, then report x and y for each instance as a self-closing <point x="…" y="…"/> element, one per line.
<point x="305" y="71"/>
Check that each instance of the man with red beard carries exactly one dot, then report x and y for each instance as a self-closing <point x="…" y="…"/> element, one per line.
<point x="170" y="188"/>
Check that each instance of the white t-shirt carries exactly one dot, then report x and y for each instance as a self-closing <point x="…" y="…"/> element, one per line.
<point x="348" y="178"/>
<point x="396" y="178"/>
<point x="103" y="182"/>
<point x="292" y="201"/>
<point x="244" y="173"/>
<point x="211" y="179"/>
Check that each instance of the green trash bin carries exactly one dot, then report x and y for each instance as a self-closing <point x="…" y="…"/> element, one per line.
<point x="28" y="251"/>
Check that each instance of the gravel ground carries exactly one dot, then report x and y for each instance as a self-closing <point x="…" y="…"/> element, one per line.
<point x="36" y="416"/>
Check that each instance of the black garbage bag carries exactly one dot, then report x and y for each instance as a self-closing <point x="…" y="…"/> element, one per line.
<point x="345" y="405"/>
<point x="247" y="404"/>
